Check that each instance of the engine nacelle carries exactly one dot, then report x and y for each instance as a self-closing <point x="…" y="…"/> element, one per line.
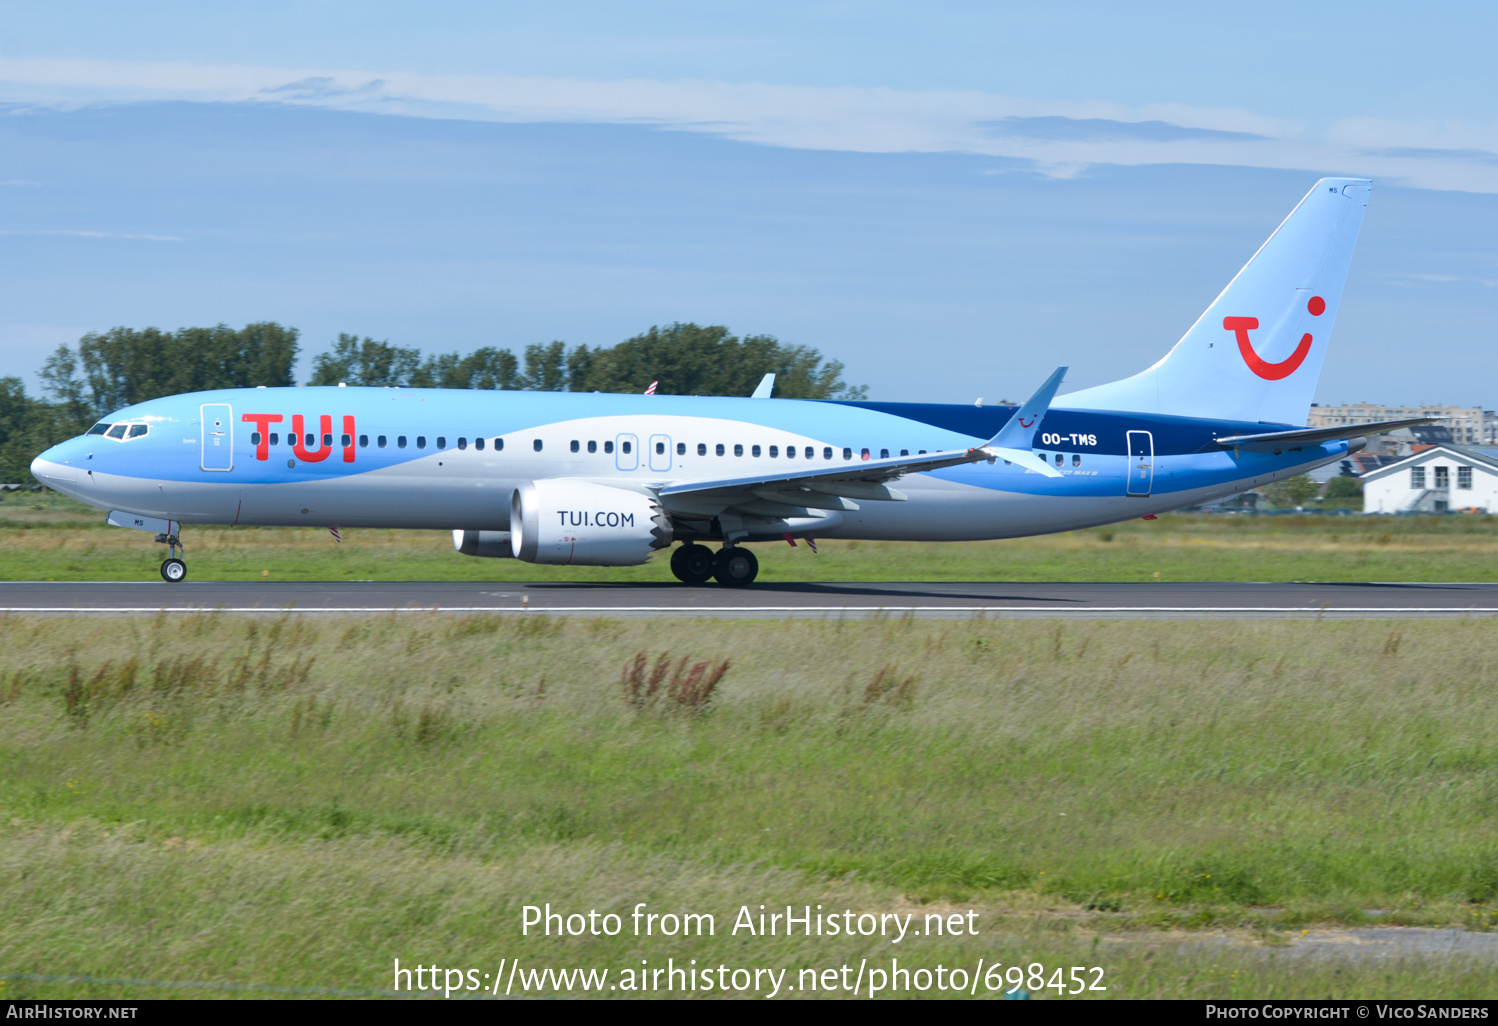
<point x="569" y="522"/>
<point x="493" y="544"/>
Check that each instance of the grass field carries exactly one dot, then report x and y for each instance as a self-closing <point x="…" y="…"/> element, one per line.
<point x="299" y="802"/>
<point x="57" y="539"/>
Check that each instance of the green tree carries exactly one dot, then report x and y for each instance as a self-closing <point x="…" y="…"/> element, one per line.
<point x="27" y="427"/>
<point x="482" y="368"/>
<point x="546" y="367"/>
<point x="1343" y="492"/>
<point x="356" y="361"/>
<point x="1292" y="492"/>
<point x="124" y="366"/>
<point x="688" y="359"/>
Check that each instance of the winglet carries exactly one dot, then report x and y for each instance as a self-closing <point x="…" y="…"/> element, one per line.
<point x="1012" y="443"/>
<point x="762" y="390"/>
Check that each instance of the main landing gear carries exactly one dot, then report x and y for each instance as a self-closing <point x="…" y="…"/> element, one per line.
<point x="734" y="566"/>
<point x="173" y="569"/>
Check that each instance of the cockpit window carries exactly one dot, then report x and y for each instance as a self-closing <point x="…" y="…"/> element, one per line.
<point x="118" y="431"/>
<point x="98" y="429"/>
<point x="138" y="430"/>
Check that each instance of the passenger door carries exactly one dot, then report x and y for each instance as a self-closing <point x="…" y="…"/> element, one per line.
<point x="660" y="453"/>
<point x="217" y="437"/>
<point x="1141" y="462"/>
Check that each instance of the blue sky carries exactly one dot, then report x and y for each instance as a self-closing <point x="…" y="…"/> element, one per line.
<point x="952" y="199"/>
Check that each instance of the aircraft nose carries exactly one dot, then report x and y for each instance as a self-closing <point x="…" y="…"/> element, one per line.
<point x="55" y="475"/>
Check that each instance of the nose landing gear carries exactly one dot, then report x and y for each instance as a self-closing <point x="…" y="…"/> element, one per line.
<point x="173" y="569"/>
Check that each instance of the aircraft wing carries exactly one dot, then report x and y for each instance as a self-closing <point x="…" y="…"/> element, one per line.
<point x="839" y="486"/>
<point x="1279" y="441"/>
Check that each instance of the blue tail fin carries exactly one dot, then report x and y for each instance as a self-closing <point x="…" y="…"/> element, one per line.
<point x="1256" y="353"/>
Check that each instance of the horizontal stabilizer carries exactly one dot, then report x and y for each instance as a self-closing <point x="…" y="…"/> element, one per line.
<point x="1278" y="441"/>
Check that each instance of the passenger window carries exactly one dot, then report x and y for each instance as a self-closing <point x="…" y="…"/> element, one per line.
<point x="364" y="441"/>
<point x="442" y="441"/>
<point x="774" y="451"/>
<point x="626" y="448"/>
<point x="754" y="451"/>
<point x="576" y="446"/>
<point x="720" y="449"/>
<point x="275" y="438"/>
<point x="847" y="454"/>
<point x="536" y="444"/>
<point x="827" y="452"/>
<point x="660" y="448"/>
<point x="380" y="440"/>
<point x="884" y="454"/>
<point x="1060" y="459"/>
<point x="1076" y="459"/>
<point x="681" y="448"/>
<point x="478" y="443"/>
<point x="462" y="443"/>
<point x="790" y="452"/>
<point x="118" y="431"/>
<point x="346" y="441"/>
<point x="738" y="450"/>
<point x="499" y="444"/>
<point x="327" y="441"/>
<point x="97" y="429"/>
<point x="400" y="441"/>
<point x="421" y="441"/>
<point x="920" y="452"/>
<point x="904" y="452"/>
<point x="592" y="446"/>
<point x="701" y="449"/>
<point x="254" y="438"/>
<point x="608" y="447"/>
<point x="863" y="454"/>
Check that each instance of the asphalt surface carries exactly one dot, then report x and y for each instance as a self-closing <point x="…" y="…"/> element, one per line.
<point x="1152" y="600"/>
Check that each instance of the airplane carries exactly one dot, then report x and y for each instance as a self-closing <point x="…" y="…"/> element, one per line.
<point x="609" y="480"/>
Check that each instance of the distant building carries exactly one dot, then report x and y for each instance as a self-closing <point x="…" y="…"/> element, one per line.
<point x="1474" y="426"/>
<point x="1434" y="480"/>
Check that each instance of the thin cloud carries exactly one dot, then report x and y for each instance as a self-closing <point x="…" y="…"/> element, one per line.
<point x="1433" y="153"/>
<point x="1058" y="138"/>
<point x="1058" y="129"/>
<point x="91" y="234"/>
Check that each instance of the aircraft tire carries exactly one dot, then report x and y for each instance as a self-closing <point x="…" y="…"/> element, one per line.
<point x="173" y="570"/>
<point x="692" y="564"/>
<point x="735" y="567"/>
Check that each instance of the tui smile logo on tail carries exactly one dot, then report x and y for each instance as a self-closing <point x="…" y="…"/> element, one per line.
<point x="1241" y="326"/>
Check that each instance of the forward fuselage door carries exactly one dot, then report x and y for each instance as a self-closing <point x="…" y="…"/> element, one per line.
<point x="660" y="453"/>
<point x="217" y="437"/>
<point x="1141" y="462"/>
<point x="626" y="452"/>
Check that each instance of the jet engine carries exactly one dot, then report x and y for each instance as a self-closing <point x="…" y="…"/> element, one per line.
<point x="579" y="523"/>
<point x="494" y="544"/>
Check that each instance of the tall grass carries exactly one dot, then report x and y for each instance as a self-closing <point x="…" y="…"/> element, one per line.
<point x="1236" y="774"/>
<point x="72" y="543"/>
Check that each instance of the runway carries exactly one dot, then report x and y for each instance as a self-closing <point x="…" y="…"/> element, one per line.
<point x="1111" y="601"/>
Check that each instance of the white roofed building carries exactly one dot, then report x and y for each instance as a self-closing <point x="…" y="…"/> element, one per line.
<point x="1434" y="480"/>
